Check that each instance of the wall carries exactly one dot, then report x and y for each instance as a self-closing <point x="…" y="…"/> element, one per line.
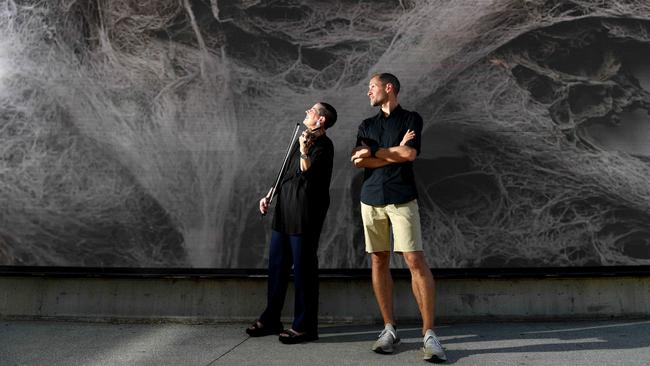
<point x="342" y="299"/>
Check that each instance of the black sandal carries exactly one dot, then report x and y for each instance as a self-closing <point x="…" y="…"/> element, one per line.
<point x="258" y="329"/>
<point x="290" y="336"/>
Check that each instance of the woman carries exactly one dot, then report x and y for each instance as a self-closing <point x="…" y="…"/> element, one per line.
<point x="302" y="203"/>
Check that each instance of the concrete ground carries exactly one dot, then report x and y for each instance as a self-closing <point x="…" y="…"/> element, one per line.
<point x="620" y="342"/>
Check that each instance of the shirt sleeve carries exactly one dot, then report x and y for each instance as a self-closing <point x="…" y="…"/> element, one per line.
<point x="361" y="134"/>
<point x="363" y="137"/>
<point x="415" y="124"/>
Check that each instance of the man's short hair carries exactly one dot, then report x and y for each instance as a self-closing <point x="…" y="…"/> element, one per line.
<point x="326" y="110"/>
<point x="386" y="78"/>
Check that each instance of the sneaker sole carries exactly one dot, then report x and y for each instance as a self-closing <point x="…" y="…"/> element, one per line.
<point x="433" y="358"/>
<point x="386" y="351"/>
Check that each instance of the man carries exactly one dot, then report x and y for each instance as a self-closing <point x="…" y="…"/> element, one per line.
<point x="387" y="144"/>
<point x="302" y="203"/>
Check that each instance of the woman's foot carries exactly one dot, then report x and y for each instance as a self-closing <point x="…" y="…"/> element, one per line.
<point x="291" y="336"/>
<point x="258" y="329"/>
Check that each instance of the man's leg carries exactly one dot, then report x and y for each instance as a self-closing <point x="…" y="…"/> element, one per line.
<point x="423" y="287"/>
<point x="407" y="232"/>
<point x="377" y="233"/>
<point x="382" y="284"/>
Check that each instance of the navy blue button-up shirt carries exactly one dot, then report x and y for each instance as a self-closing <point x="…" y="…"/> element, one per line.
<point x="393" y="183"/>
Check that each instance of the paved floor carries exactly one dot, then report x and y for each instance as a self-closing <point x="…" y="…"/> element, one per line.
<point x="566" y="343"/>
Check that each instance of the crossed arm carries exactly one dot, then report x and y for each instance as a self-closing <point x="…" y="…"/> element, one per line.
<point x="361" y="156"/>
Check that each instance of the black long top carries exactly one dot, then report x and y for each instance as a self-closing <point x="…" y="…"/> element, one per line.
<point x="393" y="183"/>
<point x="303" y="197"/>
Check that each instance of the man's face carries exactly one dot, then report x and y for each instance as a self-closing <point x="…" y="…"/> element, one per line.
<point x="312" y="117"/>
<point x="377" y="92"/>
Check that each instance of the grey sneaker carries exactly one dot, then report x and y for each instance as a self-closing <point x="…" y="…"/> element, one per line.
<point x="387" y="338"/>
<point x="432" y="349"/>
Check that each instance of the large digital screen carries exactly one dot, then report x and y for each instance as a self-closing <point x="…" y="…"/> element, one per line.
<point x="143" y="133"/>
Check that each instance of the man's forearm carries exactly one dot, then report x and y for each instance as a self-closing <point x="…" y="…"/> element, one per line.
<point x="370" y="162"/>
<point x="396" y="154"/>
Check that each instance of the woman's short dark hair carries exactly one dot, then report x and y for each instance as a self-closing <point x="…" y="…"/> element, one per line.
<point x="326" y="110"/>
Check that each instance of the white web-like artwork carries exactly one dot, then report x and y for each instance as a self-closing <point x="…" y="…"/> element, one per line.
<point x="143" y="133"/>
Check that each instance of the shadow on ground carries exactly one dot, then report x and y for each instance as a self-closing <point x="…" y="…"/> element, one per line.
<point x="466" y="340"/>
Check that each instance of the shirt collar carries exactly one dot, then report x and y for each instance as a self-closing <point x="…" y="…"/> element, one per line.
<point x="398" y="109"/>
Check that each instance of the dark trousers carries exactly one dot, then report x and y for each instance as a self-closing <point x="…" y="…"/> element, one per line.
<point x="301" y="251"/>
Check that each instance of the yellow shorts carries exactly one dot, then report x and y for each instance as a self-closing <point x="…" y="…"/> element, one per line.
<point x="405" y="221"/>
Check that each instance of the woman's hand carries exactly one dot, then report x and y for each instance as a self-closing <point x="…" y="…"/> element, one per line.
<point x="305" y="142"/>
<point x="264" y="206"/>
<point x="264" y="202"/>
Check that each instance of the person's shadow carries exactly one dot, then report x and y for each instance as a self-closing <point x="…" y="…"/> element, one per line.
<point x="464" y="340"/>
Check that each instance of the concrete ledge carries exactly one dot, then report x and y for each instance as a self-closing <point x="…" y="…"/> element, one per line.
<point x="342" y="299"/>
